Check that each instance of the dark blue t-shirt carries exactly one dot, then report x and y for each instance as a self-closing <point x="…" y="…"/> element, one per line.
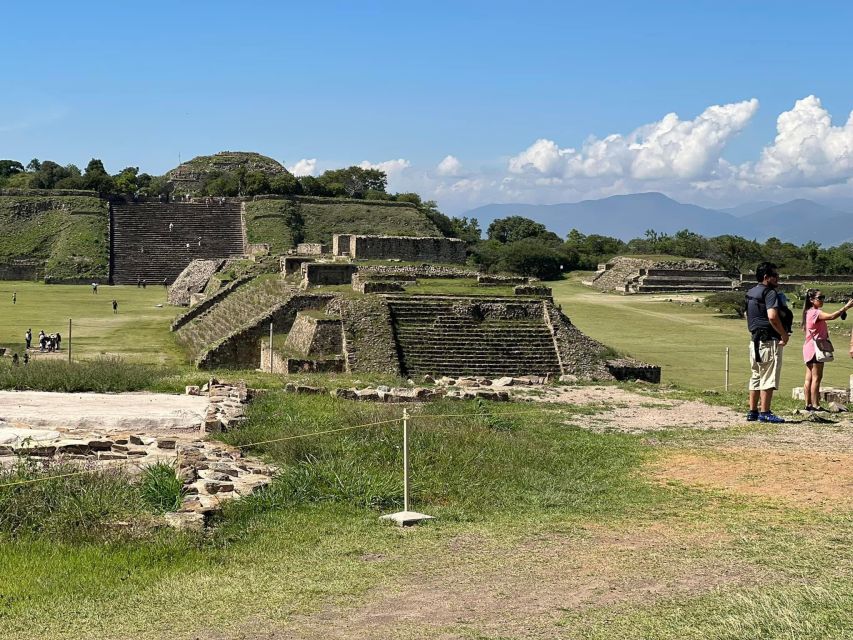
<point x="758" y="300"/>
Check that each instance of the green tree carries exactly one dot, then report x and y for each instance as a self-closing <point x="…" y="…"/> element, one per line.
<point x="10" y="168"/>
<point x="736" y="253"/>
<point x="514" y="228"/>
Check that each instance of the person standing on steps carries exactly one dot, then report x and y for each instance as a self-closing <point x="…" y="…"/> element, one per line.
<point x="768" y="339"/>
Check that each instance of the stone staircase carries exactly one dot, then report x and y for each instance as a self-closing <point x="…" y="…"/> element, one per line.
<point x="678" y="280"/>
<point x="144" y="248"/>
<point x="232" y="312"/>
<point x="462" y="336"/>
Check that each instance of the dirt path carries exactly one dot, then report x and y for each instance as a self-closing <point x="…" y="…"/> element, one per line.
<point x="629" y="412"/>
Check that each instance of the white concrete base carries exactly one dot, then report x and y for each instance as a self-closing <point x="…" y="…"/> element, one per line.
<point x="406" y="518"/>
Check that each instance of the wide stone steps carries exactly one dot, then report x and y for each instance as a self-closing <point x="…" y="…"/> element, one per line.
<point x="236" y="309"/>
<point x="144" y="248"/>
<point x="435" y="336"/>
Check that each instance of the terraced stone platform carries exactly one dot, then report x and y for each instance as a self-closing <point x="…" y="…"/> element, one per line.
<point x="455" y="336"/>
<point x="145" y="247"/>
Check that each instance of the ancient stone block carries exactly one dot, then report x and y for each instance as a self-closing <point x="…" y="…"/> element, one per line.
<point x="328" y="273"/>
<point x="310" y="249"/>
<point x="313" y="335"/>
<point x="415" y="249"/>
<point x="293" y="264"/>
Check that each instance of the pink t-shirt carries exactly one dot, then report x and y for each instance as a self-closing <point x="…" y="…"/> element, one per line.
<point x="814" y="328"/>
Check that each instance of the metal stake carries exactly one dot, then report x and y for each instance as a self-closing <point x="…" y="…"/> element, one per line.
<point x="270" y="346"/>
<point x="69" y="340"/>
<point x="405" y="460"/>
<point x="406" y="517"/>
<point x="727" y="368"/>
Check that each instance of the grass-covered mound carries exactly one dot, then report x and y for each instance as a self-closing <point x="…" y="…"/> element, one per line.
<point x="284" y="222"/>
<point x="67" y="236"/>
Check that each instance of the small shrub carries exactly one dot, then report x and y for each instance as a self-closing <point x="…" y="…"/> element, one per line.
<point x="161" y="488"/>
<point x="730" y="302"/>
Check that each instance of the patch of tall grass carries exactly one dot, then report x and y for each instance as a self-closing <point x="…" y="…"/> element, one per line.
<point x="161" y="487"/>
<point x="103" y="374"/>
<point x="467" y="458"/>
<point x="79" y="505"/>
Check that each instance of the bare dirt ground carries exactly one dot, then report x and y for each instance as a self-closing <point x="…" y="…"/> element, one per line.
<point x="475" y="588"/>
<point x="630" y="412"/>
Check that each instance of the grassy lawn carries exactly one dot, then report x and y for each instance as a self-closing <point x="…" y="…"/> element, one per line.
<point x="688" y="340"/>
<point x="139" y="331"/>
<point x="544" y="530"/>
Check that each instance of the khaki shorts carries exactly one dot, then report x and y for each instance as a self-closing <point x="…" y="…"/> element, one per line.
<point x="768" y="369"/>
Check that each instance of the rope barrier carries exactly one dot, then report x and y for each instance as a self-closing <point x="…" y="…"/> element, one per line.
<point x="283" y="439"/>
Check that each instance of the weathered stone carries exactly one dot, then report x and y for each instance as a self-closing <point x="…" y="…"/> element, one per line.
<point x="217" y="487"/>
<point x="141" y="440"/>
<point x="166" y="443"/>
<point x="506" y="381"/>
<point x="346" y="394"/>
<point x="100" y="445"/>
<point x="109" y="455"/>
<point x="569" y="378"/>
<point x="192" y="390"/>
<point x="836" y="407"/>
<point x="185" y="521"/>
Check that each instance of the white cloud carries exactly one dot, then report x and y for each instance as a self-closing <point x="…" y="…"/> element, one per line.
<point x="390" y="167"/>
<point x="304" y="167"/>
<point x="450" y="166"/>
<point x="670" y="148"/>
<point x="807" y="151"/>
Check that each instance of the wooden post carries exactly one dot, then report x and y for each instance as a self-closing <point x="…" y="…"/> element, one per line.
<point x="270" y="346"/>
<point x="727" y="368"/>
<point x="69" y="340"/>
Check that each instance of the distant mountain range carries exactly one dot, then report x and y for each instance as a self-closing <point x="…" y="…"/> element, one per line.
<point x="829" y="222"/>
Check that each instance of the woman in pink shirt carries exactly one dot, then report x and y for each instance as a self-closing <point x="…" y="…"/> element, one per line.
<point x="814" y="326"/>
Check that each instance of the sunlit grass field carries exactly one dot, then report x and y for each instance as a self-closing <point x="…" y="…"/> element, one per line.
<point x="139" y="331"/>
<point x="688" y="339"/>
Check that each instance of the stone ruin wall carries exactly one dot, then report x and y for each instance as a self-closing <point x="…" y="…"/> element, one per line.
<point x="412" y="249"/>
<point x="327" y="273"/>
<point x="293" y="264"/>
<point x="240" y="349"/>
<point x="192" y="280"/>
<point x="310" y="336"/>
<point x="622" y="269"/>
<point x="310" y="249"/>
<point x="368" y="337"/>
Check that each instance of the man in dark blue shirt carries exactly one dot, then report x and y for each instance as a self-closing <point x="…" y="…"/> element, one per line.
<point x="767" y="342"/>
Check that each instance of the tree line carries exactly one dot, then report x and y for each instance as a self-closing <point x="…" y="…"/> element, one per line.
<point x="524" y="246"/>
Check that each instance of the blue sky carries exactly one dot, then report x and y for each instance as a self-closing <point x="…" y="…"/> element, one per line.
<point x="340" y="83"/>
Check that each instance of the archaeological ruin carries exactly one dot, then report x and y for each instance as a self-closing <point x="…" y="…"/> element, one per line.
<point x="410" y="249"/>
<point x="625" y="274"/>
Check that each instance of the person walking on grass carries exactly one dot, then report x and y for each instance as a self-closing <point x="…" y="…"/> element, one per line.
<point x="14" y="297"/>
<point x="814" y="326"/>
<point x="94" y="287"/>
<point x="115" y="306"/>
<point x="768" y="339"/>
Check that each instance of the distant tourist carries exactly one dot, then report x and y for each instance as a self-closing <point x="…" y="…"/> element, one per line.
<point x="115" y="306"/>
<point x="14" y="297"/>
<point x="42" y="341"/>
<point x="165" y="283"/>
<point x="28" y="337"/>
<point x="817" y="347"/>
<point x="58" y="341"/>
<point x="768" y="339"/>
<point x="143" y="283"/>
<point x="94" y="287"/>
<point x="26" y="358"/>
<point x="138" y="283"/>
<point x="171" y="226"/>
<point x="15" y="359"/>
<point x="188" y="246"/>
